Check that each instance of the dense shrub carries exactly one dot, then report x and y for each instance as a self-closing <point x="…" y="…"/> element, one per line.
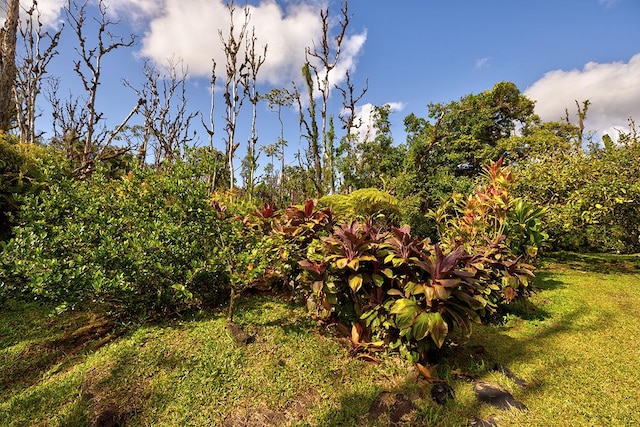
<point x="135" y="243"/>
<point x="363" y="203"/>
<point x="404" y="293"/>
<point x="592" y="199"/>
<point x="24" y="169"/>
<point x="490" y="214"/>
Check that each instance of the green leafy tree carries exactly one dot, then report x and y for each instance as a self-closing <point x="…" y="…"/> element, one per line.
<point x="447" y="153"/>
<point x="591" y="198"/>
<point x="373" y="162"/>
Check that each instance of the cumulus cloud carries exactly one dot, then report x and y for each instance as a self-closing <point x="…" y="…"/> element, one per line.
<point x="50" y="11"/>
<point x="365" y="119"/>
<point x="190" y="30"/>
<point x="613" y="90"/>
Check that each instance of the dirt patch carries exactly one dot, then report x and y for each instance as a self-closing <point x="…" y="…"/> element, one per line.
<point x="93" y="336"/>
<point x="394" y="409"/>
<point x="261" y="416"/>
<point x="108" y="403"/>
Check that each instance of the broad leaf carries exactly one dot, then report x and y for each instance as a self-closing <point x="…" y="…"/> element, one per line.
<point x="378" y="279"/>
<point x="439" y="329"/>
<point x="422" y="325"/>
<point x="355" y="282"/>
<point x="341" y="263"/>
<point x="405" y="310"/>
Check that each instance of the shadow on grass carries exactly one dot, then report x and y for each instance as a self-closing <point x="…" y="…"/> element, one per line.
<point x="46" y="343"/>
<point x="547" y="281"/>
<point x="596" y="263"/>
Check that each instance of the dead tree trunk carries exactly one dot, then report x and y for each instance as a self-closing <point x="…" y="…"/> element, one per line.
<point x="8" y="36"/>
<point x="31" y="70"/>
<point x="235" y="75"/>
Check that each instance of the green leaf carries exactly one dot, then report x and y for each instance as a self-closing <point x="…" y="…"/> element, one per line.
<point x="439" y="329"/>
<point x="422" y="325"/>
<point x="405" y="310"/>
<point x="378" y="279"/>
<point x="355" y="282"/>
<point x="387" y="272"/>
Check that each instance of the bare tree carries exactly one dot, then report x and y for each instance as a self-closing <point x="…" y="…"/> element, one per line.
<point x="210" y="128"/>
<point x="254" y="61"/>
<point x="327" y="54"/>
<point x="348" y="119"/>
<point x="278" y="98"/>
<point x="32" y="67"/>
<point x="164" y="108"/>
<point x="236" y="70"/>
<point x="89" y="69"/>
<point x="582" y="115"/>
<point x="8" y="37"/>
<point x="310" y="124"/>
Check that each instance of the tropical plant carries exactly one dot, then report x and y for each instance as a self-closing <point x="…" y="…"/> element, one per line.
<point x="404" y="292"/>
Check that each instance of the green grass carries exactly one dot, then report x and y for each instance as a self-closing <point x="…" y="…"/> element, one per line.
<point x="579" y="352"/>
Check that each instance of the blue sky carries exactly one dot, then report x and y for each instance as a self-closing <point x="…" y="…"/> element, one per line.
<point x="412" y="52"/>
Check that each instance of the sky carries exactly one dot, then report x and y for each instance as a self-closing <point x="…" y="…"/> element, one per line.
<point x="408" y="53"/>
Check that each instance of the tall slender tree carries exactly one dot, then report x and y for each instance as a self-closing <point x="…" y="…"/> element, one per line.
<point x="324" y="60"/>
<point x="350" y="124"/>
<point x="254" y="61"/>
<point x="234" y="95"/>
<point x="311" y="132"/>
<point x="33" y="61"/>
<point x="277" y="99"/>
<point x="8" y="38"/>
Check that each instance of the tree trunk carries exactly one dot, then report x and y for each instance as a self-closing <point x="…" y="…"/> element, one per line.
<point x="8" y="38"/>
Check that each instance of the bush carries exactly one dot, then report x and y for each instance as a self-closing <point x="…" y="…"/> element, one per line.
<point x="136" y="243"/>
<point x="363" y="203"/>
<point x="405" y="293"/>
<point x="592" y="199"/>
<point x="24" y="169"/>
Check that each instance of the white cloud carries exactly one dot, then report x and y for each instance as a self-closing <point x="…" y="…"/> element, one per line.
<point x="364" y="116"/>
<point x="613" y="90"/>
<point x="135" y="10"/>
<point x="482" y="63"/>
<point x="50" y="11"/>
<point x="189" y="29"/>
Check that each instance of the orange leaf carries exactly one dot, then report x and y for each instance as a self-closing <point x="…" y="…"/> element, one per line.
<point x="356" y="331"/>
<point x="428" y="373"/>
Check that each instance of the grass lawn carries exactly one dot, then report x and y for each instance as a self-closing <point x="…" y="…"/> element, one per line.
<point x="578" y="351"/>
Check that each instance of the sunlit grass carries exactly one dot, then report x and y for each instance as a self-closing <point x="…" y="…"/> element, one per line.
<point x="578" y="351"/>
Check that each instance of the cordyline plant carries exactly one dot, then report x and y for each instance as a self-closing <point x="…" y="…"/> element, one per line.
<point x="406" y="293"/>
<point x="489" y="214"/>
